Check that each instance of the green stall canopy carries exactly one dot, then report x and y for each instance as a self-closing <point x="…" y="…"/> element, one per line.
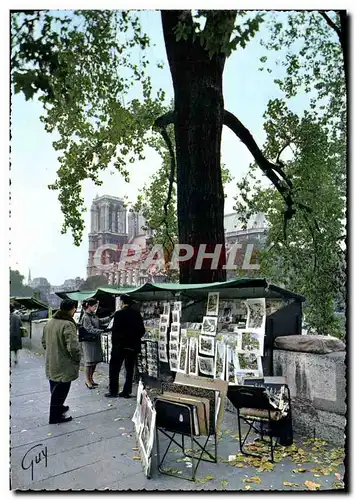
<point x="30" y="303"/>
<point x="242" y="288"/>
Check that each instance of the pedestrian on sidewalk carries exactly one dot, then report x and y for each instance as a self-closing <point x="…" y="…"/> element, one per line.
<point x="127" y="331"/>
<point x="60" y="342"/>
<point x="92" y="350"/>
<point x="15" y="334"/>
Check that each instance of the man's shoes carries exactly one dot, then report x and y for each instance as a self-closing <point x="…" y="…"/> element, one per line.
<point x="65" y="409"/>
<point x="94" y="384"/>
<point x="60" y="420"/>
<point x="124" y="395"/>
<point x="109" y="395"/>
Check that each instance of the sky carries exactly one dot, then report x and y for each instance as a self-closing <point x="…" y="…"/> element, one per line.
<point x="36" y="219"/>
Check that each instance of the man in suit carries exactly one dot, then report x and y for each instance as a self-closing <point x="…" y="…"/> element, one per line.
<point x="127" y="331"/>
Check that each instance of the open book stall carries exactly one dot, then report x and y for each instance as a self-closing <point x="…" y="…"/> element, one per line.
<point x="203" y="343"/>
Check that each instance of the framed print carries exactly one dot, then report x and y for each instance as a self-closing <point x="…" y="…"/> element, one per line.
<point x="193" y="356"/>
<point x="174" y="337"/>
<point x="175" y="327"/>
<point x="166" y="309"/>
<point x="251" y="341"/>
<point x="173" y="347"/>
<point x="177" y="306"/>
<point x="249" y="363"/>
<point x="183" y="355"/>
<point x="209" y="325"/>
<point x="256" y="314"/>
<point x="163" y="329"/>
<point x="206" y="345"/>
<point x="219" y="365"/>
<point x="212" y="308"/>
<point x="164" y="319"/>
<point x="206" y="365"/>
<point x="175" y="317"/>
<point x="173" y="365"/>
<point x="162" y="352"/>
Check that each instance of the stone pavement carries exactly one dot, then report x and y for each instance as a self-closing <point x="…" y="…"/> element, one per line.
<point x="97" y="449"/>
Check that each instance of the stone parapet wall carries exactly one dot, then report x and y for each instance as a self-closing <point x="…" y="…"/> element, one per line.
<point x="318" y="389"/>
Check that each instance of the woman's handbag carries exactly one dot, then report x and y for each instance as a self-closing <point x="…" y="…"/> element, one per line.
<point x="85" y="336"/>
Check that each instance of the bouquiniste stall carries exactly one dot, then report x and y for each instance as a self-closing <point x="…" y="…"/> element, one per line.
<point x="219" y="332"/>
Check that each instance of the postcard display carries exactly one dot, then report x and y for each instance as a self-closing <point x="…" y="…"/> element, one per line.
<point x="225" y="346"/>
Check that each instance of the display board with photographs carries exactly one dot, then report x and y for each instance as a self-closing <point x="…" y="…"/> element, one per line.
<point x="106" y="347"/>
<point x="144" y="420"/>
<point x="183" y="355"/>
<point x="212" y="307"/>
<point x="256" y="314"/>
<point x="193" y="356"/>
<point x="209" y="325"/>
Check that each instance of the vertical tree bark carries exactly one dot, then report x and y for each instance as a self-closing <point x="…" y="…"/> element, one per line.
<point x="199" y="109"/>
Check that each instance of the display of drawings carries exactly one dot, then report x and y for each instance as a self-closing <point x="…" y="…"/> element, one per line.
<point x="212" y="307"/>
<point x="106" y="347"/>
<point x="256" y="314"/>
<point x="145" y="421"/>
<point x="209" y="325"/>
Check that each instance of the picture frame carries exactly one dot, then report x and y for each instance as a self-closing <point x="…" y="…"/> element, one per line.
<point x="166" y="309"/>
<point x="206" y="345"/>
<point x="251" y="341"/>
<point x="177" y="306"/>
<point x="206" y="365"/>
<point x="173" y="346"/>
<point x="219" y="364"/>
<point x="174" y="337"/>
<point x="250" y="363"/>
<point x="193" y="356"/>
<point x="183" y="355"/>
<point x="175" y="316"/>
<point x="209" y="325"/>
<point x="256" y="314"/>
<point x="212" y="307"/>
<point x="164" y="319"/>
<point x="173" y="365"/>
<point x="175" y="327"/>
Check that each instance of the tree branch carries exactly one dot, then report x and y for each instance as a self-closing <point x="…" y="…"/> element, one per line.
<point x="161" y="123"/>
<point x="331" y="23"/>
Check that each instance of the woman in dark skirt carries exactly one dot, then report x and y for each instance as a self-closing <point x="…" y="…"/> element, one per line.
<point x="93" y="353"/>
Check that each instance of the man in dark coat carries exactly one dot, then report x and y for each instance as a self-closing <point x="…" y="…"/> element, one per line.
<point x="15" y="333"/>
<point x="127" y="331"/>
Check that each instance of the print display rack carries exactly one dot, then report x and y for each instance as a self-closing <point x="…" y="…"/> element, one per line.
<point x="147" y="359"/>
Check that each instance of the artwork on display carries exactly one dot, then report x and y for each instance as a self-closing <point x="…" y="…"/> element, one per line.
<point x="175" y="327"/>
<point x="250" y="362"/>
<point x="183" y="355"/>
<point x="177" y="306"/>
<point x="174" y="337"/>
<point x="206" y="365"/>
<point x="162" y="352"/>
<point x="206" y="345"/>
<point x="106" y="347"/>
<point x="231" y="364"/>
<point x="173" y="355"/>
<point x="163" y="337"/>
<point x="163" y="329"/>
<point x="173" y="346"/>
<point x="144" y="420"/>
<point x="173" y="365"/>
<point x="212" y="308"/>
<point x="175" y="317"/>
<point x="164" y="319"/>
<point x="251" y="341"/>
<point x="183" y="332"/>
<point x="256" y="314"/>
<point x="193" y="356"/>
<point x="219" y="365"/>
<point x="166" y="308"/>
<point x="209" y="325"/>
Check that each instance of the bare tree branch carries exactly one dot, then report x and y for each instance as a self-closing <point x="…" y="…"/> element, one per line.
<point x="331" y="23"/>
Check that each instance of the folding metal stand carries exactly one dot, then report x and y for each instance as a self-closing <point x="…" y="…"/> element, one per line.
<point x="196" y="454"/>
<point x="248" y="399"/>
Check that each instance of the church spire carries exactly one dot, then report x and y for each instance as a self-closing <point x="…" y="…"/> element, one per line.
<point x="29" y="277"/>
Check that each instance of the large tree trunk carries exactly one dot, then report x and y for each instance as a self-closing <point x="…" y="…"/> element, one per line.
<point x="199" y="110"/>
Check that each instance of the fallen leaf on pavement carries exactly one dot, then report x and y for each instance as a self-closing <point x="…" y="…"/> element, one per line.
<point x="224" y="482"/>
<point x="287" y="483"/>
<point x="247" y="487"/>
<point x="134" y="449"/>
<point x="136" y="457"/>
<point x="253" y="479"/>
<point x="299" y="470"/>
<point x="49" y="434"/>
<point x="121" y="428"/>
<point x="311" y="485"/>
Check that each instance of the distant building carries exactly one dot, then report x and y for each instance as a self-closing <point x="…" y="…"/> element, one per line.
<point x="255" y="234"/>
<point x="42" y="286"/>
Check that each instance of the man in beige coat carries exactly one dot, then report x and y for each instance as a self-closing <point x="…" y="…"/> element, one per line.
<point x="60" y="342"/>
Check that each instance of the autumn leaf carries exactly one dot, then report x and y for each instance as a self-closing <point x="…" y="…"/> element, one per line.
<point x="136" y="457"/>
<point x="253" y="479"/>
<point x="287" y="483"/>
<point x="247" y="487"/>
<point x="311" y="485"/>
<point x="134" y="449"/>
<point x="301" y="470"/>
<point x="224" y="482"/>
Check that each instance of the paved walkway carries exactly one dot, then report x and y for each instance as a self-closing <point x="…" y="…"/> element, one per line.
<point x="97" y="449"/>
